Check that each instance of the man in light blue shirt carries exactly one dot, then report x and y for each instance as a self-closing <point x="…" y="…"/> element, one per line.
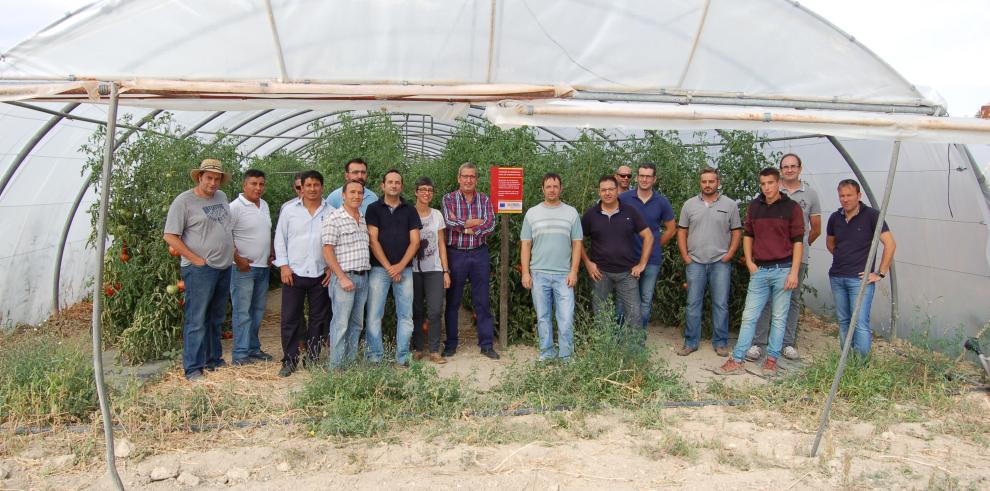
<point x="354" y="170"/>
<point x="550" y="254"/>
<point x="304" y="273"/>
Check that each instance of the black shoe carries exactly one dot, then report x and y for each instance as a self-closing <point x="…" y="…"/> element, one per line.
<point x="214" y="366"/>
<point x="448" y="352"/>
<point x="286" y="370"/>
<point x="245" y="361"/>
<point x="491" y="353"/>
<point x="261" y="355"/>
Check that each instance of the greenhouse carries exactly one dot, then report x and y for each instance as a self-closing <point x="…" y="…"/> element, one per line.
<point x="576" y="87"/>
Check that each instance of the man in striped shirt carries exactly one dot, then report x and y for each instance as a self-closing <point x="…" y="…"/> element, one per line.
<point x="470" y="220"/>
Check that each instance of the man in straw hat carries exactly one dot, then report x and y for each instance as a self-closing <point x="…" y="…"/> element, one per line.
<point x="198" y="226"/>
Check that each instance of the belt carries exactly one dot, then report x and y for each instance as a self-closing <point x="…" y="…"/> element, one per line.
<point x="774" y="265"/>
<point x="359" y="273"/>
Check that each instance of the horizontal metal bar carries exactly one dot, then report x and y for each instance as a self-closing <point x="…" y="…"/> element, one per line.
<point x="755" y="101"/>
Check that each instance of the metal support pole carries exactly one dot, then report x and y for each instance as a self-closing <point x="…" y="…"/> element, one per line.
<point x="874" y="203"/>
<point x="847" y="343"/>
<point x="101" y="242"/>
<point x="503" y="286"/>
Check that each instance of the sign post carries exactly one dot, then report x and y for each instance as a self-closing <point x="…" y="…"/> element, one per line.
<point x="506" y="196"/>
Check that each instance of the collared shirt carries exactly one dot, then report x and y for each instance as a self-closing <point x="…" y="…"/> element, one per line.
<point x="297" y="240"/>
<point x="655" y="212"/>
<point x="394" y="225"/>
<point x="349" y="238"/>
<point x="811" y="206"/>
<point x="612" y="246"/>
<point x="287" y="203"/>
<point x="853" y="238"/>
<point x="775" y="228"/>
<point x="709" y="227"/>
<point x="457" y="210"/>
<point x="252" y="226"/>
<point x="336" y="200"/>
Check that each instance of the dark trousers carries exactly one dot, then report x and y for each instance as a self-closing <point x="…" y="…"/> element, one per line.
<point x="293" y="298"/>
<point x="427" y="305"/>
<point x="469" y="265"/>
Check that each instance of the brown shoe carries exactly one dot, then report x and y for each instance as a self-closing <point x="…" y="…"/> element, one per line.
<point x="436" y="358"/>
<point x="722" y="351"/>
<point x="730" y="367"/>
<point x="686" y="350"/>
<point x="769" y="368"/>
<point x="419" y="355"/>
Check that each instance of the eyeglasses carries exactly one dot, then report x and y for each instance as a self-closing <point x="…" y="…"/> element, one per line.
<point x="468" y="176"/>
<point x="424" y="190"/>
<point x="624" y="176"/>
<point x="298" y="188"/>
<point x="606" y="190"/>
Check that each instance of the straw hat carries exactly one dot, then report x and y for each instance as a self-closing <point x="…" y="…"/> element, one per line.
<point x="211" y="165"/>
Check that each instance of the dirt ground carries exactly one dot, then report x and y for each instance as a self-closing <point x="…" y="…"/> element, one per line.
<point x="698" y="448"/>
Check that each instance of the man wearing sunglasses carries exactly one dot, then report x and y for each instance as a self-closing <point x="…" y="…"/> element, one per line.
<point x="623" y="176"/>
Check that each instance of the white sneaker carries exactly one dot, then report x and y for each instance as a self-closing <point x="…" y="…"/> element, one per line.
<point x="753" y="353"/>
<point x="791" y="353"/>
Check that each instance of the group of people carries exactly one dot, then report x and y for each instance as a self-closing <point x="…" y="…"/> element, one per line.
<point x="343" y="254"/>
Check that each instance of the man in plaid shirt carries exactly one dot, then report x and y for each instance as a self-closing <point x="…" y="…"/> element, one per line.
<point x="345" y="249"/>
<point x="470" y="220"/>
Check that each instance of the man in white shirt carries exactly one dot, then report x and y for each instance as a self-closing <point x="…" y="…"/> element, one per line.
<point x="303" y="271"/>
<point x="252" y="227"/>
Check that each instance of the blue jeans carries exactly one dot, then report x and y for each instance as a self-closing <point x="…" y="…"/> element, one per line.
<point x="348" y="317"/>
<point x="550" y="290"/>
<point x="647" y="283"/>
<point x="766" y="284"/>
<point x="207" y="291"/>
<point x="474" y="266"/>
<point x="715" y="276"/>
<point x="379" y="284"/>
<point x="247" y="299"/>
<point x="845" y="291"/>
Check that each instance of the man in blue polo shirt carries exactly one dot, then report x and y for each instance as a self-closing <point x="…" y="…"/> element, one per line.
<point x="656" y="211"/>
<point x="393" y="231"/>
<point x="614" y="263"/>
<point x="848" y="237"/>
<point x="354" y="170"/>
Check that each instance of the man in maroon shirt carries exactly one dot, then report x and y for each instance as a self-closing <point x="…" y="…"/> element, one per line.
<point x="772" y="244"/>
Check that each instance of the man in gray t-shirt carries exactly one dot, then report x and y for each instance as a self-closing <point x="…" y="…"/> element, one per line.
<point x="793" y="187"/>
<point x="198" y="227"/>
<point x="708" y="236"/>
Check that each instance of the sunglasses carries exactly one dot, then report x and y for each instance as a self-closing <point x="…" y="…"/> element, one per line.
<point x="624" y="176"/>
<point x="297" y="187"/>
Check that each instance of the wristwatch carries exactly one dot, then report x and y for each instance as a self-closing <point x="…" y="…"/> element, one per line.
<point x="882" y="275"/>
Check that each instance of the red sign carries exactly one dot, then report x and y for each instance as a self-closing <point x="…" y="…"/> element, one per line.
<point x="507" y="189"/>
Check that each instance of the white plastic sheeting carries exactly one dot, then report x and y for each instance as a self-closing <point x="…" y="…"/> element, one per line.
<point x="754" y="48"/>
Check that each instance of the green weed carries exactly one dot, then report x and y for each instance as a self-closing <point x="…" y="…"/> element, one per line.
<point x="370" y="400"/>
<point x="44" y="380"/>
